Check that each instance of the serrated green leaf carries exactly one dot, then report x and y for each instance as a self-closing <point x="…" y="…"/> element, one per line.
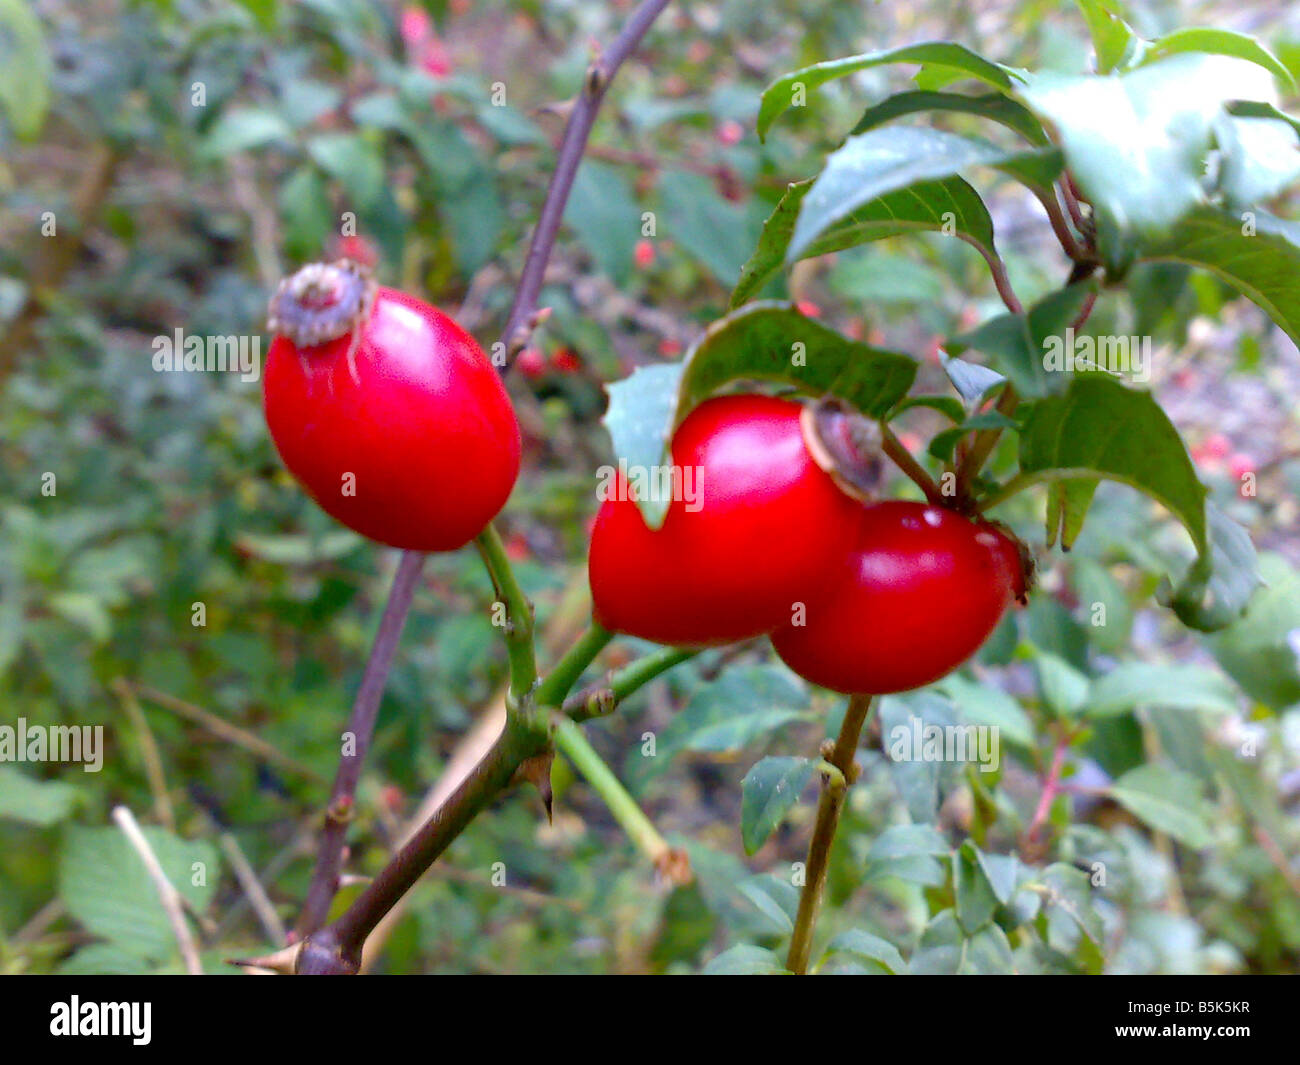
<point x="104" y="885"/>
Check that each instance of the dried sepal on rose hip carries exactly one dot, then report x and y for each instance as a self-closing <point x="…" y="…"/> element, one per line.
<point x="386" y="411"/>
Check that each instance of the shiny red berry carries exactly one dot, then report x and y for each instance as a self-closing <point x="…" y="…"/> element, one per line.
<point x="735" y="560"/>
<point x="386" y="411"/>
<point x="915" y="596"/>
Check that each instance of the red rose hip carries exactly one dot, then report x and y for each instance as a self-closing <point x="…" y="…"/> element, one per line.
<point x="386" y="411"/>
<point x="918" y="593"/>
<point x="734" y="562"/>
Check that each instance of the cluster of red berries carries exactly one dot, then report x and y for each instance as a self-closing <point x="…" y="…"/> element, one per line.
<point x="871" y="598"/>
<point x="396" y="423"/>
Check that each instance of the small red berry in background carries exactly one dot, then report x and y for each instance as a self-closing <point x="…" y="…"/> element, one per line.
<point x="565" y="360"/>
<point x="808" y="309"/>
<point x="1240" y="464"/>
<point x="934" y="351"/>
<point x="730" y="132"/>
<point x="386" y="411"/>
<point x="644" y="255"/>
<point x="517" y="548"/>
<point x="531" y="363"/>
<point x="357" y="248"/>
<point x="670" y="348"/>
<point x="414" y="24"/>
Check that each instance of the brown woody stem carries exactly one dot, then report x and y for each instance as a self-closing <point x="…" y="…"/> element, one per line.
<point x="834" y="792"/>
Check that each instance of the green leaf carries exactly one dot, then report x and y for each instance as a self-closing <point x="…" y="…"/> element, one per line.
<point x="1137" y="144"/>
<point x="1001" y="109"/>
<point x="739" y="706"/>
<point x="242" y="129"/>
<point x="1168" y="800"/>
<point x="1069" y="918"/>
<point x="1256" y="253"/>
<point x="1067" y="505"/>
<point x="907" y="852"/>
<point x="1112" y="37"/>
<point x="104" y="885"/>
<point x="1259" y="159"/>
<point x="1202" y="39"/>
<point x="776" y="900"/>
<point x="868" y="946"/>
<point x="351" y="161"/>
<point x="1183" y="687"/>
<point x="1018" y="343"/>
<point x="746" y="960"/>
<point x="974" y="898"/>
<point x="950" y="206"/>
<point x="768" y="792"/>
<point x="1261" y="651"/>
<point x="714" y="231"/>
<point x="764" y="341"/>
<point x="1063" y="688"/>
<point x="603" y="212"/>
<point x="35" y="802"/>
<point x="874" y="164"/>
<point x="1100" y="428"/>
<point x="986" y="704"/>
<point x="791" y="89"/>
<point x="24" y="68"/>
<point x="944" y="949"/>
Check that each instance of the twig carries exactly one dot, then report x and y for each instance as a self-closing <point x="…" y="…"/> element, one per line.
<point x="834" y="791"/>
<point x="1000" y="279"/>
<point x="167" y="894"/>
<point x="153" y="767"/>
<point x="602" y="699"/>
<point x="569" y="739"/>
<point x="361" y="726"/>
<point x="572" y="147"/>
<point x="518" y="629"/>
<point x="253" y="890"/>
<point x="224" y="729"/>
<point x="1051" y="788"/>
<point x="895" y="449"/>
<point x="984" y="441"/>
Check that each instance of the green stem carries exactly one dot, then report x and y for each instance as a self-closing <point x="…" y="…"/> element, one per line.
<point x="601" y="700"/>
<point x="564" y="675"/>
<point x="639" y="828"/>
<point x="1016" y="485"/>
<point x="519" y="616"/>
<point x="834" y="792"/>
